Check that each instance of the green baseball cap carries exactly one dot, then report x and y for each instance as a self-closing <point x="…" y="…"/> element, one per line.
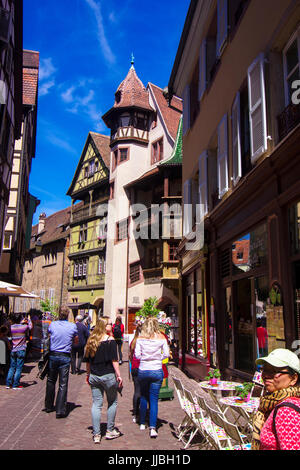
<point x="281" y="358"/>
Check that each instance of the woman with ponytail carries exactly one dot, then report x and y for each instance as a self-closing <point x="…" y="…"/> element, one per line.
<point x="103" y="375"/>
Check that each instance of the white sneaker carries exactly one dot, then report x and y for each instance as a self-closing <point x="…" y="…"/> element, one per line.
<point x="112" y="434"/>
<point x="97" y="438"/>
<point x="153" y="432"/>
<point x="142" y="427"/>
<point x="134" y="419"/>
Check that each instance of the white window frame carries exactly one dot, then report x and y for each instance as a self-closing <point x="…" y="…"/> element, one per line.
<point x="296" y="35"/>
<point x="203" y="184"/>
<point x="253" y="107"/>
<point x="223" y="155"/>
<point x="236" y="140"/>
<point x="222" y="12"/>
<point x="186" y="120"/>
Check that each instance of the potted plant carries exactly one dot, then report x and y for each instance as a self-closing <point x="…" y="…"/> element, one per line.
<point x="213" y="377"/>
<point x="244" y="391"/>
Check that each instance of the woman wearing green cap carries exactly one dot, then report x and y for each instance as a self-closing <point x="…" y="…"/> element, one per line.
<point x="276" y="425"/>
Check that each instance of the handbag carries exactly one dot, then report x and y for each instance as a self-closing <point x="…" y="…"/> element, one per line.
<point x="43" y="367"/>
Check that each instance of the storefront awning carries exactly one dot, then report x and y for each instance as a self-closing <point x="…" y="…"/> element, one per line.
<point x="82" y="305"/>
<point x="12" y="290"/>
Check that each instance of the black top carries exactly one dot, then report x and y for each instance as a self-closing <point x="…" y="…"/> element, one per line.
<point x="101" y="363"/>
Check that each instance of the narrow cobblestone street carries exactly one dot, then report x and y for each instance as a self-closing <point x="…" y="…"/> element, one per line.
<point x="24" y="426"/>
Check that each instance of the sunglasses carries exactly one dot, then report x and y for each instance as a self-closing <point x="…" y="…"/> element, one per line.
<point x="274" y="373"/>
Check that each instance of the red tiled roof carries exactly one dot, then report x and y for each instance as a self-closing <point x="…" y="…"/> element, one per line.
<point x="171" y="114"/>
<point x="131" y="92"/>
<point x="102" y="143"/>
<point x="30" y="77"/>
<point x="56" y="227"/>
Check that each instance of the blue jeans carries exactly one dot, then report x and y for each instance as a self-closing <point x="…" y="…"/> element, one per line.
<point x="59" y="366"/>
<point x="150" y="383"/>
<point x="17" y="359"/>
<point x="100" y="384"/>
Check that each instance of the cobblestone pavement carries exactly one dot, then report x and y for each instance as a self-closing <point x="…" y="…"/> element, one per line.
<point x="24" y="426"/>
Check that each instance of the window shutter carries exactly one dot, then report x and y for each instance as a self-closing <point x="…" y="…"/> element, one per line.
<point x="223" y="157"/>
<point x="75" y="269"/>
<point x="202" y="70"/>
<point x="257" y="108"/>
<point x="203" y="194"/>
<point x="222" y="25"/>
<point x="84" y="264"/>
<point x="236" y="140"/>
<point x="186" y="109"/>
<point x="187" y="210"/>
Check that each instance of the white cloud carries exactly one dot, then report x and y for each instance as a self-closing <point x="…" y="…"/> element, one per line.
<point x="105" y="47"/>
<point x="82" y="100"/>
<point x="46" y="76"/>
<point x="45" y="87"/>
<point x="47" y="68"/>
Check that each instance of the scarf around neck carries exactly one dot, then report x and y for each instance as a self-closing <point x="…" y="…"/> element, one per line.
<point x="266" y="405"/>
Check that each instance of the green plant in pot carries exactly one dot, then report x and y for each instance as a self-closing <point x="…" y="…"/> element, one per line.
<point x="213" y="376"/>
<point x="244" y="391"/>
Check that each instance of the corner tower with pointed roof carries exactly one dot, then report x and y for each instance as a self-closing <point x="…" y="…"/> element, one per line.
<point x="143" y="132"/>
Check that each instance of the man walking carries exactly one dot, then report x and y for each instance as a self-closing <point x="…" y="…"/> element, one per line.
<point x="62" y="334"/>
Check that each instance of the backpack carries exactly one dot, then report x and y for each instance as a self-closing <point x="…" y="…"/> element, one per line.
<point x="281" y="405"/>
<point x="117" y="331"/>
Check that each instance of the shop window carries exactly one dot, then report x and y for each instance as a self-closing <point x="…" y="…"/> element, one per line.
<point x="196" y="339"/>
<point x="250" y="251"/>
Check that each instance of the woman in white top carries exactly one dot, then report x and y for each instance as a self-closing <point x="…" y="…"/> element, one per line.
<point x="151" y="349"/>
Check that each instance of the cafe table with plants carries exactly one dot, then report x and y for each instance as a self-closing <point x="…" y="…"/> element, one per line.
<point x="213" y="382"/>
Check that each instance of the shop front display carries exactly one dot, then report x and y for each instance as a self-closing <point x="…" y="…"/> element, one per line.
<point x="254" y="315"/>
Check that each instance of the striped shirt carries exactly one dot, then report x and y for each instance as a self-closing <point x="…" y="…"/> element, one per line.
<point x="18" y="335"/>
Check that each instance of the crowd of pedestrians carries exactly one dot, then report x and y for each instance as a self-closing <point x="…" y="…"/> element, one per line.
<point x="68" y="346"/>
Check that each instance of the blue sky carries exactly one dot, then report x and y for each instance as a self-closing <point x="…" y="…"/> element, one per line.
<point x="85" y="51"/>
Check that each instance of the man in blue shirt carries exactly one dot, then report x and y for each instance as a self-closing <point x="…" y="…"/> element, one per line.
<point x="62" y="335"/>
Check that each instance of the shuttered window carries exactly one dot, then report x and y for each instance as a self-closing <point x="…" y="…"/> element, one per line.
<point x="236" y="140"/>
<point x="186" y="110"/>
<point x="223" y="157"/>
<point x="257" y="108"/>
<point x="203" y="193"/>
<point x="202" y="70"/>
<point x="222" y="26"/>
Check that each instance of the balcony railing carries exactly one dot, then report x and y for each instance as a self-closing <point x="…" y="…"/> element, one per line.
<point x="288" y="120"/>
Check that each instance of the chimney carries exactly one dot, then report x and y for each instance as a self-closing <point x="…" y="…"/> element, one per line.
<point x="41" y="226"/>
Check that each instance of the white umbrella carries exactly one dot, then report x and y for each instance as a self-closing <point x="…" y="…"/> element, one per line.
<point x="12" y="290"/>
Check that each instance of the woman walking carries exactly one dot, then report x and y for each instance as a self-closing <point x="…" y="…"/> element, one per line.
<point x="134" y="374"/>
<point x="151" y="348"/>
<point x="103" y="375"/>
